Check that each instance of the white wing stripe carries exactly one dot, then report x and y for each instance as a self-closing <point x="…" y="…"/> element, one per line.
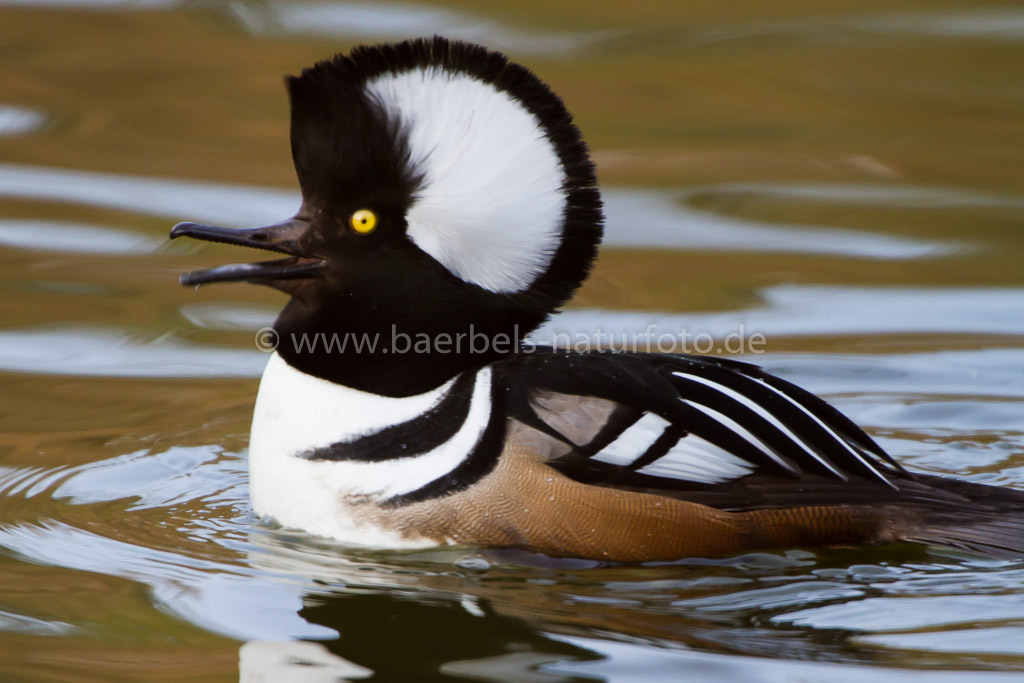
<point x="692" y="459"/>
<point x="633" y="442"/>
<point x="739" y="430"/>
<point x="828" y="429"/>
<point x="696" y="459"/>
<point x="763" y="412"/>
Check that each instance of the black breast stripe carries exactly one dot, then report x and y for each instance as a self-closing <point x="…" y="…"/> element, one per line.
<point x="419" y="435"/>
<point x="475" y="466"/>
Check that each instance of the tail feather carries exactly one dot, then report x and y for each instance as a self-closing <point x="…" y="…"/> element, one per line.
<point x="997" y="538"/>
<point x="990" y="520"/>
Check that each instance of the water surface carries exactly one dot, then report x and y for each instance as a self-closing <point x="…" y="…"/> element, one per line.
<point x="843" y="178"/>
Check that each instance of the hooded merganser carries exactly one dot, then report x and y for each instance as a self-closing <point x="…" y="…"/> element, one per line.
<point x="449" y="204"/>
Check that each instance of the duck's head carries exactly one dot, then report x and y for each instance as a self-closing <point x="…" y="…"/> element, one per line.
<point x="445" y="192"/>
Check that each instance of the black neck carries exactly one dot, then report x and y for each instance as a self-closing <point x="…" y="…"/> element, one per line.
<point x="386" y="374"/>
<point x="392" y="354"/>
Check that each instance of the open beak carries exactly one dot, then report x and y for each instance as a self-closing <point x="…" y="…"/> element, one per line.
<point x="282" y="238"/>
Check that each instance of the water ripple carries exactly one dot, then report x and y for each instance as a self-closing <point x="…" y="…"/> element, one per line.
<point x="20" y="623"/>
<point x="399" y="21"/>
<point x="215" y="596"/>
<point x="635" y="218"/>
<point x="974" y="373"/>
<point x="219" y="316"/>
<point x="639" y="663"/>
<point x="905" y="613"/>
<point x="1007" y="640"/>
<point x="19" y="120"/>
<point x="988" y="23"/>
<point x="64" y="236"/>
<point x="647" y="218"/>
<point x="897" y="196"/>
<point x="797" y="310"/>
<point x="176" y="476"/>
<point x="110" y="354"/>
<point x="789" y="311"/>
<point x="94" y="4"/>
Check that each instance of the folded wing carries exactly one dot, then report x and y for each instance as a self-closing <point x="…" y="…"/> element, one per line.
<point x="676" y="423"/>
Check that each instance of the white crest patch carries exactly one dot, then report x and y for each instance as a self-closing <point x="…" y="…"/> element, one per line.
<point x="491" y="205"/>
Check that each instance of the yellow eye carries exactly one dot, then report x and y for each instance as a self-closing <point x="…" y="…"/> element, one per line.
<point x="363" y="221"/>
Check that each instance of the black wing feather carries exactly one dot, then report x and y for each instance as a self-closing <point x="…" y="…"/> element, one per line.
<point x="817" y="439"/>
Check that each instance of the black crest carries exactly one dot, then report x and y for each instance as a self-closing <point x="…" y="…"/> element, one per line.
<point x="327" y="98"/>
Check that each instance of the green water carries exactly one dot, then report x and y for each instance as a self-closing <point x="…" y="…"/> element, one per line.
<point x="845" y="178"/>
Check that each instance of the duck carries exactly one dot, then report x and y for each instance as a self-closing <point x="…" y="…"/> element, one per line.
<point x="450" y="206"/>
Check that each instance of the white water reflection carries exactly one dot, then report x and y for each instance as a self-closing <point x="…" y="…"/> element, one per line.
<point x="65" y="236"/>
<point x="232" y="205"/>
<point x="1008" y="640"/>
<point x="793" y="310"/>
<point x="94" y="4"/>
<point x="626" y="662"/>
<point x="233" y="317"/>
<point x="12" y="622"/>
<point x="644" y="218"/>
<point x="174" y="477"/>
<point x="294" y="660"/>
<point x="635" y="218"/>
<point x="231" y="601"/>
<point x="987" y="23"/>
<point x="1005" y="23"/>
<point x="893" y="613"/>
<point x="789" y="311"/>
<point x="19" y="120"/>
<point x="399" y="21"/>
<point x="898" y="196"/>
<point x="361" y="20"/>
<point x="976" y="372"/>
<point x="224" y="597"/>
<point x="96" y="353"/>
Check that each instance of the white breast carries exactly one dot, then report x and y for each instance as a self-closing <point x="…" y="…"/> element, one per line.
<point x="296" y="412"/>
